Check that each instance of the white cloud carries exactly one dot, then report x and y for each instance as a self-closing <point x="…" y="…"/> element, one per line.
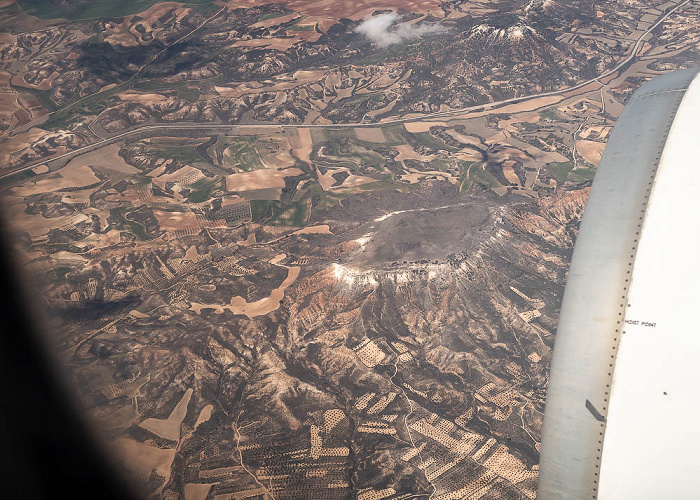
<point x="380" y="31"/>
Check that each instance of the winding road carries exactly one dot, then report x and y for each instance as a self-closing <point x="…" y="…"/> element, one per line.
<point x="429" y="116"/>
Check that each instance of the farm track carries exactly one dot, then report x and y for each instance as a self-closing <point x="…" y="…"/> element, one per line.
<point x="491" y="107"/>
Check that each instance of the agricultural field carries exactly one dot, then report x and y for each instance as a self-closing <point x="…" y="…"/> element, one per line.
<point x="313" y="249"/>
<point x="85" y="9"/>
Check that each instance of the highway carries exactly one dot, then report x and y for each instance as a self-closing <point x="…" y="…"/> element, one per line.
<point x="428" y="116"/>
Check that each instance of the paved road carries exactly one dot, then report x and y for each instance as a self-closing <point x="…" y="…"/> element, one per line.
<point x="428" y="116"/>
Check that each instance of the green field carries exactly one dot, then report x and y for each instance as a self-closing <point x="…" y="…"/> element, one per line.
<point x="325" y="199"/>
<point x="394" y="134"/>
<point x="202" y="189"/>
<point x="464" y="182"/>
<point x="154" y="85"/>
<point x="353" y="104"/>
<point x="294" y="214"/>
<point x="565" y="171"/>
<point x="433" y="142"/>
<point x="90" y="105"/>
<point x="481" y="176"/>
<point x="260" y="209"/>
<point x="356" y="154"/>
<point x="243" y="151"/>
<point x="123" y="224"/>
<point x="439" y="164"/>
<point x="43" y="96"/>
<point x="560" y="171"/>
<point x="88" y="9"/>
<point x="550" y="114"/>
<point x="582" y="174"/>
<point x="385" y="186"/>
<point x="18" y="177"/>
<point x="185" y="154"/>
<point x="188" y="94"/>
<point x="331" y="135"/>
<point x="273" y="15"/>
<point x="474" y="173"/>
